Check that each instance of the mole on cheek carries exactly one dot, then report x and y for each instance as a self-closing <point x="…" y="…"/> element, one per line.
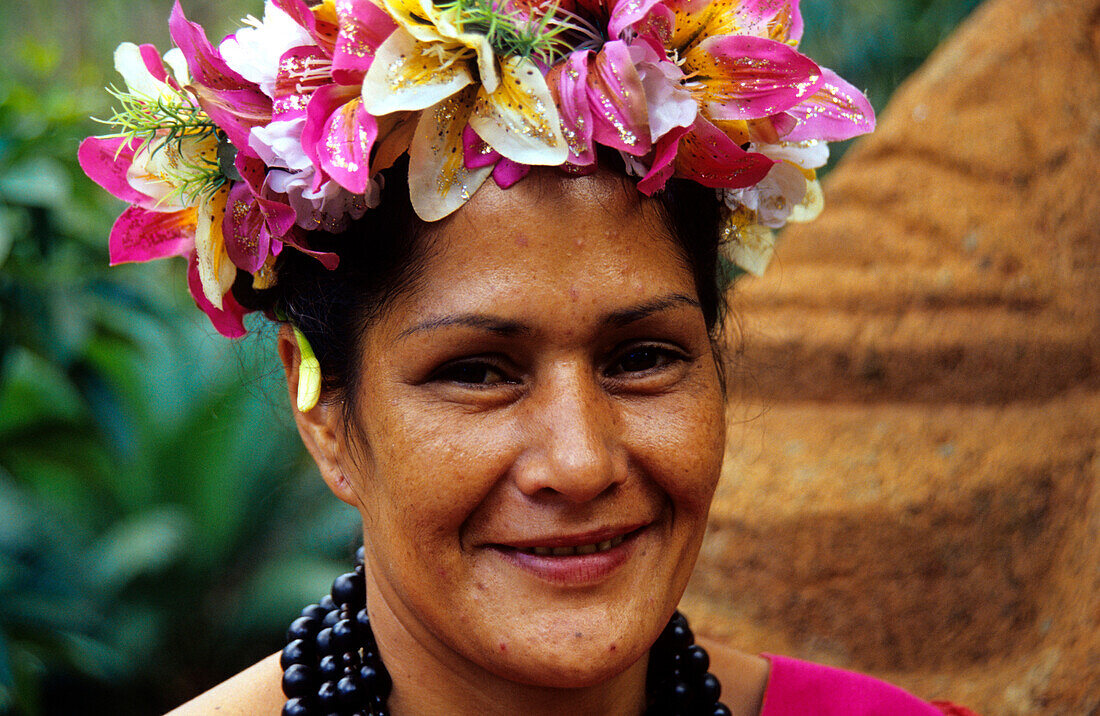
<point x="503" y="647"/>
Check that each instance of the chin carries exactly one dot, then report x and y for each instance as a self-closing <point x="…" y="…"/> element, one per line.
<point x="577" y="647"/>
<point x="570" y="666"/>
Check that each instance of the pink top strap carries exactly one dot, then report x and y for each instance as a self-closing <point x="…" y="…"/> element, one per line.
<point x="798" y="688"/>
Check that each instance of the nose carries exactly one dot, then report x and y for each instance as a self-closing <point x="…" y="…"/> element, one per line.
<point x="574" y="448"/>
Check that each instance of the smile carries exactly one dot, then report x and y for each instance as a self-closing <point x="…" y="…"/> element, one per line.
<point x="579" y="549"/>
<point x="588" y="560"/>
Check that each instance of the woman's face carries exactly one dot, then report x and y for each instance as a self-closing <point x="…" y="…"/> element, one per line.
<point x="539" y="429"/>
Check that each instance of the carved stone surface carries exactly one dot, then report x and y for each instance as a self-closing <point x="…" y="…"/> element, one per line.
<point x="912" y="486"/>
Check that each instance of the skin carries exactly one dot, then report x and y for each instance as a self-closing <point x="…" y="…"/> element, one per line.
<point x="550" y="376"/>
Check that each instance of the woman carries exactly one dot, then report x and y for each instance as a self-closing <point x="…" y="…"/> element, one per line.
<point x="516" y="383"/>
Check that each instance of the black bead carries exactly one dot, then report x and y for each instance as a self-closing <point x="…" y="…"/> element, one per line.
<point x="296" y="707"/>
<point x="315" y="611"/>
<point x="680" y="637"/>
<point x="296" y="652"/>
<point x="681" y="695"/>
<point x="324" y="641"/>
<point x="359" y="554"/>
<point x="362" y="618"/>
<point x="343" y="636"/>
<point x="376" y="680"/>
<point x="327" y="604"/>
<point x="331" y="618"/>
<point x="326" y="695"/>
<point x="330" y="668"/>
<point x="302" y="628"/>
<point x="348" y="589"/>
<point x="696" y="660"/>
<point x="720" y="710"/>
<point x="298" y="681"/>
<point x="711" y="689"/>
<point x="348" y="691"/>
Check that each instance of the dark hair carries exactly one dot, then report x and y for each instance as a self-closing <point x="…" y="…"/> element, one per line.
<point x="381" y="256"/>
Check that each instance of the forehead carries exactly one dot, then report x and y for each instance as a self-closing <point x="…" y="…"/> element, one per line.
<point x="594" y="240"/>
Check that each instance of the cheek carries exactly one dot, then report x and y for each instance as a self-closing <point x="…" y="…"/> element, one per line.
<point x="430" y="471"/>
<point x="681" y="445"/>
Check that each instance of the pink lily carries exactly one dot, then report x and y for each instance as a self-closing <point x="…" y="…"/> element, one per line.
<point x="149" y="229"/>
<point x="232" y="102"/>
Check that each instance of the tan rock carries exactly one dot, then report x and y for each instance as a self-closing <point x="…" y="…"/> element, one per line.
<point x="913" y="485"/>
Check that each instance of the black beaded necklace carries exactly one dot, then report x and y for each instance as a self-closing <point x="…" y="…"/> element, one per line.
<point x="331" y="663"/>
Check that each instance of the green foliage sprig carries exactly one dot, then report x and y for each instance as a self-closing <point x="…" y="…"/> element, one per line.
<point x="164" y="124"/>
<point x="510" y="34"/>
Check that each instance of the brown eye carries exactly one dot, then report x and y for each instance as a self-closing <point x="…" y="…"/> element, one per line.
<point x="642" y="359"/>
<point x="479" y="373"/>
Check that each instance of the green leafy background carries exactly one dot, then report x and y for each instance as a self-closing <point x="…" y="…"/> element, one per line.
<point x="159" y="521"/>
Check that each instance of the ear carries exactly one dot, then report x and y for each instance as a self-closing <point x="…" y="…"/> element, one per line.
<point x="320" y="427"/>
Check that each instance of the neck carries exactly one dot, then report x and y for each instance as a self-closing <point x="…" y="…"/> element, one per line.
<point x="430" y="678"/>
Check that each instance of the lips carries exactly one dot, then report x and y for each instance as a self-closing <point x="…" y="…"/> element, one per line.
<point x="574" y="560"/>
<point x="591" y="548"/>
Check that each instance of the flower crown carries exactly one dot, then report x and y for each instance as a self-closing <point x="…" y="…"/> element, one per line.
<point x="230" y="155"/>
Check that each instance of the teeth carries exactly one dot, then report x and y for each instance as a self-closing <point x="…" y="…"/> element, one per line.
<point x="579" y="549"/>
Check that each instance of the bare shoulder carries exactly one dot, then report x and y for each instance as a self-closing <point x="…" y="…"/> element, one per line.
<point x="744" y="676"/>
<point x="256" y="690"/>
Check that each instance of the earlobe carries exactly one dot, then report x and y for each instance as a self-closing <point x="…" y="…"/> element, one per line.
<point x="319" y="426"/>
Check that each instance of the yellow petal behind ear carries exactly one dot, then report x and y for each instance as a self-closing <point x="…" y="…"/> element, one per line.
<point x="309" y="375"/>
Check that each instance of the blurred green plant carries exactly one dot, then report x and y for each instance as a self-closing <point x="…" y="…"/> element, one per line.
<point x="159" y="523"/>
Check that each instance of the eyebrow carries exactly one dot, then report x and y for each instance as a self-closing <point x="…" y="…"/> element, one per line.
<point x="508" y="328"/>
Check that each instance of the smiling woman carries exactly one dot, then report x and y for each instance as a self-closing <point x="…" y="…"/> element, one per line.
<point x="517" y="384"/>
<point x="537" y="437"/>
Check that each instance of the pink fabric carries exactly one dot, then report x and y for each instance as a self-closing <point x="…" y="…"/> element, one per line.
<point x="798" y="688"/>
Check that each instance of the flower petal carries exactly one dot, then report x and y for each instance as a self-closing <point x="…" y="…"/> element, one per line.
<point x="617" y="97"/>
<point x="247" y="243"/>
<point x="707" y="156"/>
<point x="668" y="103"/>
<point x="520" y="119"/>
<point x="417" y="17"/>
<point x="296" y="81"/>
<point x="216" y="271"/>
<point x="235" y="111"/>
<point x="300" y="12"/>
<point x="506" y="172"/>
<point x="475" y="152"/>
<point x="568" y="81"/>
<point x="297" y="238"/>
<point x="625" y="14"/>
<point x="338" y="136"/>
<point x="439" y="181"/>
<point x="142" y="235"/>
<point x="395" y="133"/>
<point x="779" y="20"/>
<point x="363" y="28"/>
<point x="750" y="77"/>
<point x="142" y="79"/>
<point x="750" y="247"/>
<point x="106" y="161"/>
<point x="205" y="63"/>
<point x="227" y="319"/>
<point x="837" y="111"/>
<point x="811" y="205"/>
<point x="404" y="77"/>
<point x="694" y="21"/>
<point x="663" y="166"/>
